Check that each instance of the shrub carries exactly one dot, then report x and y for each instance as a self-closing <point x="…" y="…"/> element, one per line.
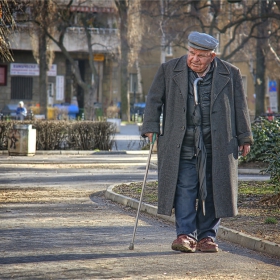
<point x="273" y="159"/>
<point x="266" y="134"/>
<point x="4" y="132"/>
<point x="70" y="135"/>
<point x="86" y="136"/>
<point x="267" y="147"/>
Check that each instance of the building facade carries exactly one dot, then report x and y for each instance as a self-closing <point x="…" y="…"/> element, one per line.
<point x="156" y="34"/>
<point x="20" y="79"/>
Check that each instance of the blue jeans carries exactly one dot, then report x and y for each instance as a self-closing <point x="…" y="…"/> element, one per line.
<point x="189" y="216"/>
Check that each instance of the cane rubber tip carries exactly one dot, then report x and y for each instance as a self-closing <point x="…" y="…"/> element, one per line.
<point x="131" y="246"/>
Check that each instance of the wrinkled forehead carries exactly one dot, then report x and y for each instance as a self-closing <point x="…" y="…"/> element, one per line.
<point x="196" y="51"/>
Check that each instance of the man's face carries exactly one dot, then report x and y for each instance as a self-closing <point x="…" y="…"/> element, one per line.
<point x="198" y="60"/>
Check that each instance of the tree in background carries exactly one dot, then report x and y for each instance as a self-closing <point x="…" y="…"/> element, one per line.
<point x="135" y="35"/>
<point x="37" y="19"/>
<point x="131" y="36"/>
<point x="248" y="32"/>
<point x="123" y="7"/>
<point x="244" y="29"/>
<point x="42" y="24"/>
<point x="53" y="19"/>
<point x="7" y="25"/>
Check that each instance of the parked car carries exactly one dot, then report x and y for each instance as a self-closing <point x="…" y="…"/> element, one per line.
<point x="137" y="111"/>
<point x="9" y="111"/>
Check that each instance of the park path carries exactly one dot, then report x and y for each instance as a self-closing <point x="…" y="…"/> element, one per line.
<point x="56" y="224"/>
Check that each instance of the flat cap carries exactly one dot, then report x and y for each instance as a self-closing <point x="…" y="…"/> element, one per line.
<point x="202" y="41"/>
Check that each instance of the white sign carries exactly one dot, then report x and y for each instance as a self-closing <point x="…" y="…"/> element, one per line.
<point x="29" y="69"/>
<point x="50" y="94"/>
<point x="273" y="101"/>
<point x="59" y="88"/>
<point x="272" y="92"/>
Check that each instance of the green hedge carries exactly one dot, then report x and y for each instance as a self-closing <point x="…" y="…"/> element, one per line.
<point x="66" y="135"/>
<point x="266" y="147"/>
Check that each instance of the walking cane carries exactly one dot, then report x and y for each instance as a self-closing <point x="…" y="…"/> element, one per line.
<point x="131" y="246"/>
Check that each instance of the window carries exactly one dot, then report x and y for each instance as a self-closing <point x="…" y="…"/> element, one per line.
<point x="218" y="37"/>
<point x="50" y="89"/>
<point x="133" y="83"/>
<point x="238" y="6"/>
<point x="50" y="93"/>
<point x="3" y="75"/>
<point x="169" y="50"/>
<point x="21" y="87"/>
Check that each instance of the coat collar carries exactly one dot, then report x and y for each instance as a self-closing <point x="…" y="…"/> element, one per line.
<point x="221" y="76"/>
<point x="181" y="64"/>
<point x="181" y="75"/>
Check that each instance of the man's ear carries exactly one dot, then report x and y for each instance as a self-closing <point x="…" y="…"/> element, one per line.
<point x="213" y="56"/>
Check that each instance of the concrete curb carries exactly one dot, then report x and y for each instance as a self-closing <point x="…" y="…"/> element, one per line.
<point x="234" y="236"/>
<point x="85" y="152"/>
<point x="250" y="171"/>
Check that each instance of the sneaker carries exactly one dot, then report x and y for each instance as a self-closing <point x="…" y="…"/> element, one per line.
<point x="207" y="245"/>
<point x="184" y="243"/>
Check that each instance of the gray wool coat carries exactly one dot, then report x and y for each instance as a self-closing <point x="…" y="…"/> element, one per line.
<point x="230" y="126"/>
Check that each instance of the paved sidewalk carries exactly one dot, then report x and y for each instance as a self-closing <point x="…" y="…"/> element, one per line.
<point x="58" y="225"/>
<point x="228" y="234"/>
<point x="128" y="138"/>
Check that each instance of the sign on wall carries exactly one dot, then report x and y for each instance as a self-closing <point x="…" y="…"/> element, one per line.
<point x="29" y="69"/>
<point x="272" y="92"/>
<point x="59" y="88"/>
<point x="98" y="57"/>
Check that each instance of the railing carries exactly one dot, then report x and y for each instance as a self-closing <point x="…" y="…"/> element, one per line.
<point x="81" y="30"/>
<point x="77" y="30"/>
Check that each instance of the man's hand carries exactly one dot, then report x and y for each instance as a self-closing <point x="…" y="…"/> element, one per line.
<point x="150" y="136"/>
<point x="245" y="149"/>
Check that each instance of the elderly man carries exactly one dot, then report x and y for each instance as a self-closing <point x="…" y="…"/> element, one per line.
<point x="205" y="121"/>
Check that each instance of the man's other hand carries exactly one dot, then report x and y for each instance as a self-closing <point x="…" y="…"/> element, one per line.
<point x="245" y="149"/>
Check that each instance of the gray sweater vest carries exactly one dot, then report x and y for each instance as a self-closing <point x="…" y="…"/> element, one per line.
<point x="204" y="94"/>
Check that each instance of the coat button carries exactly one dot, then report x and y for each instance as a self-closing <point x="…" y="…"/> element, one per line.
<point x="182" y="128"/>
<point x="184" y="109"/>
<point x="178" y="145"/>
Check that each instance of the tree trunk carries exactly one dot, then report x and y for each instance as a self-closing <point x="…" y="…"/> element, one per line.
<point x="43" y="66"/>
<point x="260" y="80"/>
<point x="91" y="91"/>
<point x="125" y="100"/>
<point x="43" y="78"/>
<point x="260" y="85"/>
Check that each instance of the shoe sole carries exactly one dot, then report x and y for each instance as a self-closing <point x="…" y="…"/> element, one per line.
<point x="208" y="251"/>
<point x="182" y="248"/>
